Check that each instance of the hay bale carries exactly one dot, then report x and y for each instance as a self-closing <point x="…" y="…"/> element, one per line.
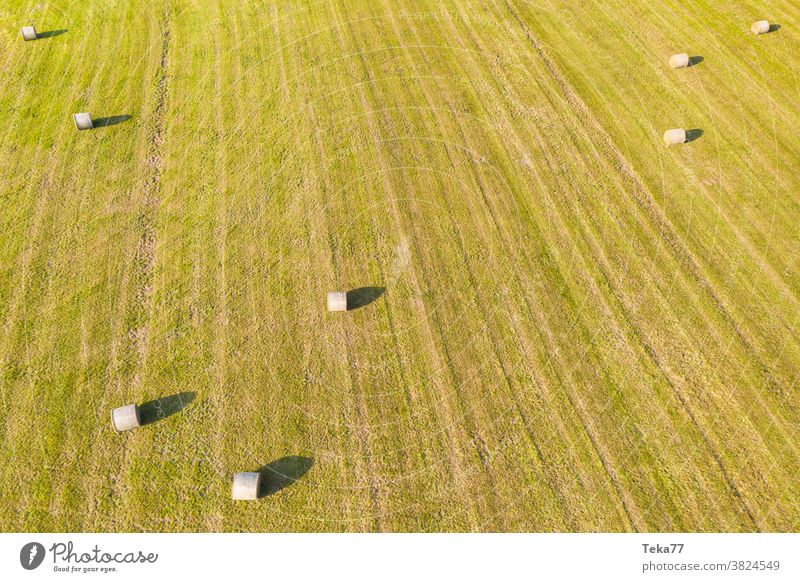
<point x="674" y="136"/>
<point x="337" y="301"/>
<point x="760" y="27"/>
<point x="679" y="61"/>
<point x="245" y="486"/>
<point x="126" y="418"/>
<point x="83" y="121"/>
<point x="29" y="33"/>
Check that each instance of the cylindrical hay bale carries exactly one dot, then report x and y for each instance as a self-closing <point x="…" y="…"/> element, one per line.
<point x="679" y="61"/>
<point x="126" y="418"/>
<point x="674" y="136"/>
<point x="245" y="485"/>
<point x="83" y="121"/>
<point x="337" y="301"/>
<point x="28" y="33"/>
<point x="760" y="27"/>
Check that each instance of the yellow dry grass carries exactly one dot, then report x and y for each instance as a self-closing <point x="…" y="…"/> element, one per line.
<point x="573" y="327"/>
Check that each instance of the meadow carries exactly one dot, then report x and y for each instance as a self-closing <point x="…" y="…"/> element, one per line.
<point x="558" y="323"/>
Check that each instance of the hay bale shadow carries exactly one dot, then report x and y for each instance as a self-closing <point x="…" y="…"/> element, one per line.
<point x="363" y="296"/>
<point x="50" y="33"/>
<point x="693" y="134"/>
<point x="162" y="408"/>
<point x="695" y="60"/>
<point x="108" y="121"/>
<point x="279" y="474"/>
<point x="774" y="27"/>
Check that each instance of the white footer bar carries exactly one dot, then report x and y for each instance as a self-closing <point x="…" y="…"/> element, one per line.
<point x="375" y="557"/>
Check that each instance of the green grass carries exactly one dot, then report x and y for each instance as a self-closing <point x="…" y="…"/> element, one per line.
<point x="582" y="330"/>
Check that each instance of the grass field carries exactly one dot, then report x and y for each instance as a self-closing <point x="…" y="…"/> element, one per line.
<point x="567" y="326"/>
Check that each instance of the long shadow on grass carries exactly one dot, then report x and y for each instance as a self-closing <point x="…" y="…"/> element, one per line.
<point x="695" y="60"/>
<point x="280" y="474"/>
<point x="162" y="408"/>
<point x="363" y="296"/>
<point x="774" y="27"/>
<point x="50" y="33"/>
<point x="693" y="134"/>
<point x="108" y="121"/>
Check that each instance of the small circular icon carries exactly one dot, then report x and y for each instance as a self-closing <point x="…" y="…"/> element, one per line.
<point x="31" y="555"/>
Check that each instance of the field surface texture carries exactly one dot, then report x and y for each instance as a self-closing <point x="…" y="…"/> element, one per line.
<point x="556" y="322"/>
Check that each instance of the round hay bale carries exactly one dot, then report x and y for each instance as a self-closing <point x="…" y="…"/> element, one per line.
<point x="126" y="418"/>
<point x="760" y="27"/>
<point x="29" y="33"/>
<point x="679" y="61"/>
<point x="83" y="121"/>
<point x="674" y="136"/>
<point x="245" y="486"/>
<point x="337" y="301"/>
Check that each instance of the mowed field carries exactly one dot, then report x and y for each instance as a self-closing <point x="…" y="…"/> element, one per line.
<point x="562" y="325"/>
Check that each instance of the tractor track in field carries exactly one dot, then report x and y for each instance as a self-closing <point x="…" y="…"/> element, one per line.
<point x="137" y="313"/>
<point x="145" y="253"/>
